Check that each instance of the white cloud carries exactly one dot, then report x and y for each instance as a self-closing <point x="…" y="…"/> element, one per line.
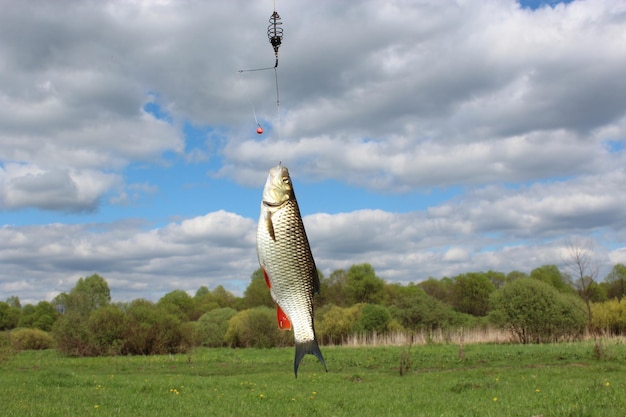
<point x="24" y="186"/>
<point x="522" y="110"/>
<point x="456" y="254"/>
<point x="214" y="249"/>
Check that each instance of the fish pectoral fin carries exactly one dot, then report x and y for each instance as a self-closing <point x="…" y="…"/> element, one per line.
<point x="270" y="226"/>
<point x="283" y="320"/>
<point x="268" y="282"/>
<point x="267" y="279"/>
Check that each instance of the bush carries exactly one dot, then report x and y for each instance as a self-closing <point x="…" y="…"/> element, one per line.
<point x="416" y="310"/>
<point x="373" y="318"/>
<point x="536" y="312"/>
<point x="190" y="336"/>
<point x="106" y="327"/>
<point x="334" y="323"/>
<point x="144" y="329"/>
<point x="72" y="335"/>
<point x="257" y="328"/>
<point x="151" y="330"/>
<point x="609" y="316"/>
<point x="213" y="326"/>
<point x="31" y="339"/>
<point x="471" y="293"/>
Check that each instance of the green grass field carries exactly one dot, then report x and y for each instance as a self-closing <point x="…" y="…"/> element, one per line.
<point x="491" y="380"/>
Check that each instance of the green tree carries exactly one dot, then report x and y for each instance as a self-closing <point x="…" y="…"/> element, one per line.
<point x="213" y="326"/>
<point x="498" y="279"/>
<point x="363" y="286"/>
<point x="60" y="302"/>
<point x="202" y="292"/>
<point x="550" y="274"/>
<point x="442" y="290"/>
<point x="257" y="294"/>
<point x="513" y="275"/>
<point x="331" y="289"/>
<point x="373" y="318"/>
<point x="616" y="282"/>
<point x="14" y="301"/>
<point x="42" y="316"/>
<point x="204" y="301"/>
<point x="471" y="293"/>
<point x="222" y="297"/>
<point x="9" y="316"/>
<point x="178" y="303"/>
<point x="88" y="295"/>
<point x="597" y="293"/>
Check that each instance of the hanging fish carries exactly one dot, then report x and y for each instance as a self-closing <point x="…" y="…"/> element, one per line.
<point x="287" y="263"/>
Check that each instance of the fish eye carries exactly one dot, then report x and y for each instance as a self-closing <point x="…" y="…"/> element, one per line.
<point x="285" y="180"/>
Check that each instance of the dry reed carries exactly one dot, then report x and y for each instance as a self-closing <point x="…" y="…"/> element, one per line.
<point x="439" y="336"/>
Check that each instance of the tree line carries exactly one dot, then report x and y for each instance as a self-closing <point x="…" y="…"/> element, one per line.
<point x="543" y="306"/>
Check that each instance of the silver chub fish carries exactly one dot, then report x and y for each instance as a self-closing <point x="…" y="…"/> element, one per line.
<point x="287" y="263"/>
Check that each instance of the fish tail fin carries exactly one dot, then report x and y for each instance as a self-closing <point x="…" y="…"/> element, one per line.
<point x="311" y="347"/>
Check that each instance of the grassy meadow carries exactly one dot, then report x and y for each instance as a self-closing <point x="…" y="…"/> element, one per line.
<point x="567" y="379"/>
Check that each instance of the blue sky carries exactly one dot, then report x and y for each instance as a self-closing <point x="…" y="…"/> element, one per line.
<point x="487" y="135"/>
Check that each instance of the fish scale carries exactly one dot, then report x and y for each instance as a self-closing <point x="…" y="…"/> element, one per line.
<point x="287" y="262"/>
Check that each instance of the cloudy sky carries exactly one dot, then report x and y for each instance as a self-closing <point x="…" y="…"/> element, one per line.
<point x="426" y="137"/>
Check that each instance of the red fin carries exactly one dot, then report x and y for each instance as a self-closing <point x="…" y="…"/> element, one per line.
<point x="267" y="279"/>
<point x="283" y="320"/>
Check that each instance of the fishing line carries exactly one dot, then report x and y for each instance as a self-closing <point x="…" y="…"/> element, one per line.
<point x="277" y="102"/>
<point x="245" y="89"/>
<point x="256" y="69"/>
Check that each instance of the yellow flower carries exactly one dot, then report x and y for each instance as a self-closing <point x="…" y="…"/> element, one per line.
<point x="495" y="399"/>
<point x="261" y="396"/>
<point x="537" y="390"/>
<point x="607" y="384"/>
